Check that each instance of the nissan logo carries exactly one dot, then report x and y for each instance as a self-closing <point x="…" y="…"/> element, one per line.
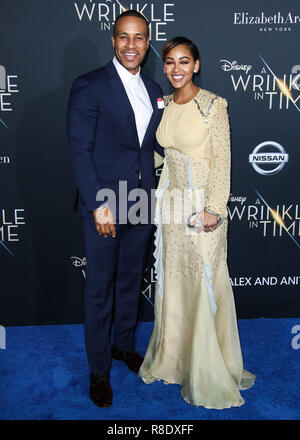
<point x="268" y="158"/>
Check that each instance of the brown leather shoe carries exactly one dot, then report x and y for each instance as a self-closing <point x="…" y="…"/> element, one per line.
<point x="100" y="390"/>
<point x="131" y="358"/>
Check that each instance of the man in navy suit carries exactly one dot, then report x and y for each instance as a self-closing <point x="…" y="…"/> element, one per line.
<point x="113" y="115"/>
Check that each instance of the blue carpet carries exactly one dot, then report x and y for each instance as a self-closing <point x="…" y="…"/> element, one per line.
<point x="44" y="376"/>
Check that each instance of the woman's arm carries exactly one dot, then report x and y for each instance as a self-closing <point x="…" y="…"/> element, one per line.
<point x="219" y="181"/>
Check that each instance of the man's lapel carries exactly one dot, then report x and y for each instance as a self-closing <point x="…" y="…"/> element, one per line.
<point x="120" y="96"/>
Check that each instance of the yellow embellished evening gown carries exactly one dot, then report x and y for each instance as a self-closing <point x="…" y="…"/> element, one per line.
<point x="195" y="340"/>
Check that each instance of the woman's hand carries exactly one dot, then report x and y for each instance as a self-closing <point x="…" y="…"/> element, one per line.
<point x="205" y="221"/>
<point x="209" y="221"/>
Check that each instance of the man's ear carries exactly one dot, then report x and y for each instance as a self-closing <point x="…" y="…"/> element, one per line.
<point x="113" y="40"/>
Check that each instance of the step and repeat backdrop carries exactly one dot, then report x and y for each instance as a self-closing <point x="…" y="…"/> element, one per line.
<point x="249" y="55"/>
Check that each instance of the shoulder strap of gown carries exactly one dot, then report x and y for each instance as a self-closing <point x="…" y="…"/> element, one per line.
<point x="204" y="101"/>
<point x="168" y="99"/>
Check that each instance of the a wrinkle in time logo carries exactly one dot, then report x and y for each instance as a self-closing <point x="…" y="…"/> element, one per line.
<point x="148" y="288"/>
<point x="278" y="91"/>
<point x="8" y="87"/>
<point x="158" y="14"/>
<point x="10" y="223"/>
<point x="271" y="220"/>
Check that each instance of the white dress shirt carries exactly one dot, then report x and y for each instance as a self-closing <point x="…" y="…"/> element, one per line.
<point x="138" y="97"/>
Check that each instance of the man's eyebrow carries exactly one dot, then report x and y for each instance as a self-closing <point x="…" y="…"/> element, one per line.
<point x="127" y="33"/>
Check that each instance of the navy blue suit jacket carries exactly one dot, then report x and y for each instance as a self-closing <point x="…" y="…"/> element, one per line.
<point x="103" y="138"/>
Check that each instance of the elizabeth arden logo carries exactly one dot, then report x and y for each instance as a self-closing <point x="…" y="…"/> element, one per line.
<point x="276" y="22"/>
<point x="4" y="160"/>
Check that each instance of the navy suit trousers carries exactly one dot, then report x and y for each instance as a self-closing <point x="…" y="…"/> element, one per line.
<point x="114" y="274"/>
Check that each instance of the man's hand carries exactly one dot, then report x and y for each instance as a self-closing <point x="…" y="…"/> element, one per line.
<point x="104" y="221"/>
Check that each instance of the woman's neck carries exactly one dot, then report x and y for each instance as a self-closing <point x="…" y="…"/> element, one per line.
<point x="185" y="94"/>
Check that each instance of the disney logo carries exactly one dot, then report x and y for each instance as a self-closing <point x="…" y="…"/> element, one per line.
<point x="79" y="262"/>
<point x="227" y="66"/>
<point x="238" y="199"/>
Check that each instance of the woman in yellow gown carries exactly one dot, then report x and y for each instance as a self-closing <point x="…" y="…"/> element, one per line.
<point x="195" y="340"/>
